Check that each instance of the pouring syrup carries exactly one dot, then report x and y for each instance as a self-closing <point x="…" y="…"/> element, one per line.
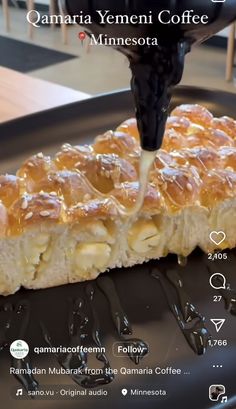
<point x="155" y="69"/>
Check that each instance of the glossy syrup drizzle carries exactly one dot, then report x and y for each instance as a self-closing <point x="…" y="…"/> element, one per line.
<point x="121" y="321"/>
<point x="182" y="261"/>
<point x="77" y="362"/>
<point x="146" y="161"/>
<point x="107" y="375"/>
<point x="77" y="321"/>
<point x="190" y="321"/>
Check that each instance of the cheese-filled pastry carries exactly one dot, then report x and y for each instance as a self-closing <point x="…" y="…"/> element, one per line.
<point x="60" y="218"/>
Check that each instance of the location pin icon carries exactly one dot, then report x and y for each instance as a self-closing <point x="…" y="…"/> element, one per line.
<point x="82" y="36"/>
<point x="124" y="392"/>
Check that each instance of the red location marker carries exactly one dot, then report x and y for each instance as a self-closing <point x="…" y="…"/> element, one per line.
<point x="82" y="36"/>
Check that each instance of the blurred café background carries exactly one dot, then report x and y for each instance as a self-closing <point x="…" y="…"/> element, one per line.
<point x="49" y="66"/>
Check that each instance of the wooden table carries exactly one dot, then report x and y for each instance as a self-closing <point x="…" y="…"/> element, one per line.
<point x="21" y="95"/>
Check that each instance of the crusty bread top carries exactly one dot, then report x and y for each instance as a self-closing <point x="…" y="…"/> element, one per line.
<point x="195" y="167"/>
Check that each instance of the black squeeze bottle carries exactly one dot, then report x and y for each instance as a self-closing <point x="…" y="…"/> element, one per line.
<point x="156" y="69"/>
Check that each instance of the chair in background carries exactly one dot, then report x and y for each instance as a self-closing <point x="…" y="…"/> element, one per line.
<point x="6" y="14"/>
<point x="230" y="53"/>
<point x="30" y="4"/>
<point x="53" y="9"/>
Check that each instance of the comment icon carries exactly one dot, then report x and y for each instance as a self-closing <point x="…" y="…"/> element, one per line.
<point x="218" y="281"/>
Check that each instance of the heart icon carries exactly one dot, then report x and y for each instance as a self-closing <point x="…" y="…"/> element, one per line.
<point x="217" y="237"/>
<point x="124" y="392"/>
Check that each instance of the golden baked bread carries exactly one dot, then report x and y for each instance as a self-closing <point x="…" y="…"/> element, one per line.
<point x="59" y="219"/>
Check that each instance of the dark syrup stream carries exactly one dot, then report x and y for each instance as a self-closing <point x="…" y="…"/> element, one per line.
<point x="191" y="322"/>
<point x="78" y="331"/>
<point x="121" y="321"/>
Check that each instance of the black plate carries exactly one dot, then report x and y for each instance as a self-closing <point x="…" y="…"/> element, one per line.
<point x="141" y="295"/>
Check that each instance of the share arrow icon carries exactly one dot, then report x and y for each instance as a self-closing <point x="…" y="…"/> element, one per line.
<point x="218" y="322"/>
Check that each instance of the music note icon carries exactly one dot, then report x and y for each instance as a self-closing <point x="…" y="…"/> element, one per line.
<point x="19" y="392"/>
<point x="224" y="399"/>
